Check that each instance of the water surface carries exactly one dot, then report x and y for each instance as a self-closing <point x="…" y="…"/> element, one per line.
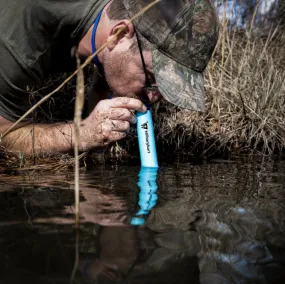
<point x="219" y="222"/>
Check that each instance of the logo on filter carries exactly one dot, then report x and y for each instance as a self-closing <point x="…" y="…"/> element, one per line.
<point x="144" y="126"/>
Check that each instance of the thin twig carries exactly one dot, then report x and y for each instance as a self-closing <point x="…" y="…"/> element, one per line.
<point x="79" y="102"/>
<point x="77" y="121"/>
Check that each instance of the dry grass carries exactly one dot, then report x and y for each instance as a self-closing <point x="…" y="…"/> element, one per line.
<point x="10" y="162"/>
<point x="244" y="100"/>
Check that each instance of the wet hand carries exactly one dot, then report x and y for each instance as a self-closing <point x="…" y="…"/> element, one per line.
<point x="109" y="121"/>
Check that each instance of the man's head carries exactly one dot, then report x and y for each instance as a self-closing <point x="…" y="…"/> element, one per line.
<point x="177" y="37"/>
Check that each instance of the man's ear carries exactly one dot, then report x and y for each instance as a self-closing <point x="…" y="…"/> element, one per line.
<point x="128" y="31"/>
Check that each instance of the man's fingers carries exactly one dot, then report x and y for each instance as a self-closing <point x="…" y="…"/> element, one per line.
<point x="110" y="120"/>
<point x="117" y="125"/>
<point x="122" y="114"/>
<point x="115" y="136"/>
<point x="129" y="103"/>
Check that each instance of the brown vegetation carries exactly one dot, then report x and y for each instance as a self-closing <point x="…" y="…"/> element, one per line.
<point x="244" y="100"/>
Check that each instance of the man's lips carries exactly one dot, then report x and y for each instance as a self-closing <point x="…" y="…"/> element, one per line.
<point x="154" y="97"/>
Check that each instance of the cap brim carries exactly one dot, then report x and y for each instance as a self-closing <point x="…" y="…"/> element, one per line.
<point x="181" y="86"/>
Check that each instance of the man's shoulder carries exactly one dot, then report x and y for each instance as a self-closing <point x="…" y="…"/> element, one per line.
<point x="30" y="28"/>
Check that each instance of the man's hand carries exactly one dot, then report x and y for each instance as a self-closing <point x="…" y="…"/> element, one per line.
<point x="109" y="121"/>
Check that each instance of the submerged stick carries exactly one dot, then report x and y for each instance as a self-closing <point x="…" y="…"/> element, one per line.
<point x="79" y="102"/>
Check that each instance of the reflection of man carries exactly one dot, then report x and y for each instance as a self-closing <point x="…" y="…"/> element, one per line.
<point x="164" y="52"/>
<point x="118" y="253"/>
<point x="138" y="255"/>
<point x="135" y="254"/>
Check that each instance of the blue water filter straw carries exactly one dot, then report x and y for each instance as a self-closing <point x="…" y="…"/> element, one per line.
<point x="146" y="140"/>
<point x="149" y="163"/>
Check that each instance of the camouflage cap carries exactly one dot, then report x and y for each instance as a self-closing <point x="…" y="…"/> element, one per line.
<point x="184" y="33"/>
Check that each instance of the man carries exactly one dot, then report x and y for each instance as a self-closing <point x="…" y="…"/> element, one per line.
<point x="166" y="50"/>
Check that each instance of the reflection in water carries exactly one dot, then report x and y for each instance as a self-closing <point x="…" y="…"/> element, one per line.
<point x="213" y="223"/>
<point x="147" y="195"/>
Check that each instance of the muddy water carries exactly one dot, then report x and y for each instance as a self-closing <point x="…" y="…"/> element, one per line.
<point x="219" y="222"/>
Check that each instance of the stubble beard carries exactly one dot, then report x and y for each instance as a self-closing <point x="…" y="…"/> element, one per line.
<point x="115" y="70"/>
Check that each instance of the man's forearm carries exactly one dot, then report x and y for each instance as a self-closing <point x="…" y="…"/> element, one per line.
<point x="41" y="139"/>
<point x="108" y="122"/>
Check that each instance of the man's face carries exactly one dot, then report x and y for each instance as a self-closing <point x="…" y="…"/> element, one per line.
<point x="125" y="74"/>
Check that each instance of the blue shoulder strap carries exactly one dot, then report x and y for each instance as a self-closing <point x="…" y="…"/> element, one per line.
<point x="96" y="22"/>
